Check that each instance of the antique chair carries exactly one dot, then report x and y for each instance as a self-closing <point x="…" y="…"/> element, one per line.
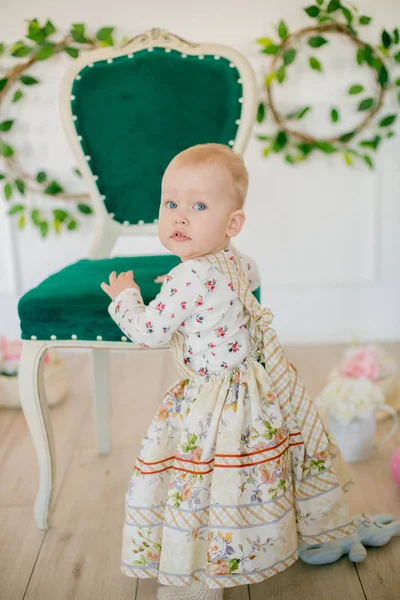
<point x="126" y="111"/>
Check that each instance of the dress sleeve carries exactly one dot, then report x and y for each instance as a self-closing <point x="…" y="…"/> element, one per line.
<point x="153" y="325"/>
<point x="251" y="269"/>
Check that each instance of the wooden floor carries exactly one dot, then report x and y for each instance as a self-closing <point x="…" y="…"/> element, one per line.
<point x="78" y="558"/>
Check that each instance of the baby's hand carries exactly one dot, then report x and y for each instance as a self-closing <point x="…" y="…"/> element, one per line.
<point x="160" y="279"/>
<point x="119" y="284"/>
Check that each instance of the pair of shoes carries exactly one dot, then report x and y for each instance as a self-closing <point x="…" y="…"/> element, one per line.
<point x="195" y="591"/>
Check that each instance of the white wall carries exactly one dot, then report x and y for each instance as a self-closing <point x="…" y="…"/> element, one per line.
<point x="325" y="235"/>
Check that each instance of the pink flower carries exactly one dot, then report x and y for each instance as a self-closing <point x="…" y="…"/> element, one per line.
<point x="196" y="454"/>
<point x="361" y="364"/>
<point x="153" y="556"/>
<point x="267" y="473"/>
<point x="218" y="568"/>
<point x="260" y="446"/>
<point x="187" y="491"/>
<point x="162" y="413"/>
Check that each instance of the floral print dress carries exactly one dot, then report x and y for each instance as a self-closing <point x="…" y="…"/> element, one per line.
<point x="236" y="468"/>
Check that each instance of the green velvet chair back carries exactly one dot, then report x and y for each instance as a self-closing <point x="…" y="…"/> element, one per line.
<point x="133" y="111"/>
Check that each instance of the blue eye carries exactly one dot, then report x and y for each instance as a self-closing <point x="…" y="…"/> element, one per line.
<point x="200" y="206"/>
<point x="171" y="204"/>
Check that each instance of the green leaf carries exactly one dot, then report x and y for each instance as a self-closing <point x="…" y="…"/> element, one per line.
<point x="77" y="172"/>
<point x="272" y="49"/>
<point x="105" y="35"/>
<point x="41" y="177"/>
<point x="348" y="158"/>
<point x="315" y="64"/>
<point x="312" y="11"/>
<point x="16" y="209"/>
<point x="363" y="20"/>
<point x="368" y="160"/>
<point x="333" y="5"/>
<point x="17" y="96"/>
<point x="282" y="30"/>
<point x="289" y="158"/>
<point x="57" y="226"/>
<point x="53" y="188"/>
<point x="45" y="52"/>
<point x="2" y="176"/>
<point x="397" y="82"/>
<point x="266" y="151"/>
<point x="269" y="78"/>
<point x="347" y="14"/>
<point x="6" y="150"/>
<point x="3" y="83"/>
<point x="281" y="74"/>
<point x="78" y="33"/>
<point x="305" y="148"/>
<point x="20" y="49"/>
<point x="374" y="143"/>
<point x="346" y="137"/>
<point x="280" y="141"/>
<point x="2" y="48"/>
<point x="35" y="216"/>
<point x="44" y="228"/>
<point x="264" y="41"/>
<point x="320" y="2"/>
<point x="360" y="56"/>
<point x="74" y="52"/>
<point x="396" y="36"/>
<point x="366" y="104"/>
<point x="387" y="121"/>
<point x="326" y="147"/>
<point x="49" y="28"/>
<point x="8" y="192"/>
<point x="383" y="76"/>
<point x="60" y="215"/>
<point x="233" y="564"/>
<point x="334" y="115"/>
<point x="85" y="209"/>
<point x="20" y="185"/>
<point x="386" y="39"/>
<point x="289" y="56"/>
<point x="260" y="112"/>
<point x="397" y="57"/>
<point x="21" y="222"/>
<point x="263" y="138"/>
<point x="317" y="41"/>
<point x="390" y="134"/>
<point x="303" y="112"/>
<point x="72" y="225"/>
<point x="356" y="89"/>
<point x="28" y="80"/>
<point x="6" y="125"/>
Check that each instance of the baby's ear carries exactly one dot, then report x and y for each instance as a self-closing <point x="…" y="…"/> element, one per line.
<point x="236" y="223"/>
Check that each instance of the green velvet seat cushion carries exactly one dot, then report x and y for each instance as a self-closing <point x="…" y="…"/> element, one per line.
<point x="71" y="302"/>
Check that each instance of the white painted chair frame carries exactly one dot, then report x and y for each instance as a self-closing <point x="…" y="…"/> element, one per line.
<point x="34" y="403"/>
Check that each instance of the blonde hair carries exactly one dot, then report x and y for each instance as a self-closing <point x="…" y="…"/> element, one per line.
<point x="219" y="154"/>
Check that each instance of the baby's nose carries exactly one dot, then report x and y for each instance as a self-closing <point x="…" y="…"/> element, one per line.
<point x="180" y="219"/>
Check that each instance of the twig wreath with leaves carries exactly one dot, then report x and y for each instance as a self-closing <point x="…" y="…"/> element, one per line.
<point x="331" y="17"/>
<point x="39" y="45"/>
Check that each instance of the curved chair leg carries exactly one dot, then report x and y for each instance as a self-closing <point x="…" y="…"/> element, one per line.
<point x="101" y="372"/>
<point x="36" y="411"/>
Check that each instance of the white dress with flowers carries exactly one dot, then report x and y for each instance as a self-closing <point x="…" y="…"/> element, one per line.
<point x="236" y="468"/>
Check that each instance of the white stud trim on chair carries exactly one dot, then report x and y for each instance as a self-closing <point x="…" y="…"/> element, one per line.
<point x="140" y="222"/>
<point x="33" y="337"/>
<point x="124" y="339"/>
<point x="99" y="338"/>
<point x="53" y="337"/>
<point x="74" y="336"/>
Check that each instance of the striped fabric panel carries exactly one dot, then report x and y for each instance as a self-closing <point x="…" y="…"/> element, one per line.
<point x="328" y="536"/>
<point x="221" y="581"/>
